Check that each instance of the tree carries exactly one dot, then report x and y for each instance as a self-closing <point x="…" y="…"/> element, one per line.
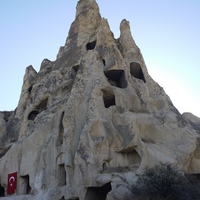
<point x="165" y="182"/>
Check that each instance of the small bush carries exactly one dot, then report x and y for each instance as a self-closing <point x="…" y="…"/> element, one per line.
<point x="164" y="182"/>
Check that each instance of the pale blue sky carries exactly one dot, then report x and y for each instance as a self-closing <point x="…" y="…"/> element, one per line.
<point x="166" y="31"/>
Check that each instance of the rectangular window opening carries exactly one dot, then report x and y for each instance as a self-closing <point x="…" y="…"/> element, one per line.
<point x="25" y="184"/>
<point x="61" y="175"/>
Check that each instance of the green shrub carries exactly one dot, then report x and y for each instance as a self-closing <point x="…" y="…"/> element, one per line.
<point x="164" y="182"/>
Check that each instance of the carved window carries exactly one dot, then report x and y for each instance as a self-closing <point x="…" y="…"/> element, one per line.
<point x="74" y="71"/>
<point x="98" y="193"/>
<point x="33" y="114"/>
<point x="91" y="45"/>
<point x="61" y="175"/>
<point x="30" y="89"/>
<point x="25" y="184"/>
<point x="136" y="71"/>
<point x="116" y="78"/>
<point x="41" y="107"/>
<point x="108" y="98"/>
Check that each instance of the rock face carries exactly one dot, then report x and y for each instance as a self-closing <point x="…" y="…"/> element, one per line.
<point x="88" y="122"/>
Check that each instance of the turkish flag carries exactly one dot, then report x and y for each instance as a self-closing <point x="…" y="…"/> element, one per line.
<point x="12" y="183"/>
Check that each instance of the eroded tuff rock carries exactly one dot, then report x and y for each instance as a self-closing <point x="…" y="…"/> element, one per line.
<point x="88" y="122"/>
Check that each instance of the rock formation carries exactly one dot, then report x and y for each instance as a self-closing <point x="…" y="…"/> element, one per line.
<point x="89" y="121"/>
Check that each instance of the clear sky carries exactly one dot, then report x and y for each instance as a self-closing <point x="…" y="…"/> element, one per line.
<point x="166" y="31"/>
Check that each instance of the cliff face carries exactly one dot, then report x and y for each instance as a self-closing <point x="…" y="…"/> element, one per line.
<point x="88" y="122"/>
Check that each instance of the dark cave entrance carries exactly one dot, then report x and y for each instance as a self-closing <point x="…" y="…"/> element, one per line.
<point x="74" y="70"/>
<point x="108" y="98"/>
<point x="116" y="78"/>
<point x="61" y="175"/>
<point x="30" y="89"/>
<point x="136" y="71"/>
<point x="2" y="191"/>
<point x="25" y="184"/>
<point x="41" y="107"/>
<point x="33" y="114"/>
<point x="91" y="45"/>
<point x="98" y="193"/>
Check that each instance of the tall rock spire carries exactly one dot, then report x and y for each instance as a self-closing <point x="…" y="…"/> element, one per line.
<point x="84" y="5"/>
<point x="83" y="28"/>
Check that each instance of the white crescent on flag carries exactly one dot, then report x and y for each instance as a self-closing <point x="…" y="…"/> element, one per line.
<point x="11" y="180"/>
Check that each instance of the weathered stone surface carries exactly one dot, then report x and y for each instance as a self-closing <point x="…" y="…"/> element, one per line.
<point x="89" y="122"/>
<point x="189" y="117"/>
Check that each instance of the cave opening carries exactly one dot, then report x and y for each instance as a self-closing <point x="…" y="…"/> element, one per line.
<point x="74" y="70"/>
<point x="2" y="191"/>
<point x="108" y="98"/>
<point x="98" y="193"/>
<point x="33" y="114"/>
<point x="61" y="175"/>
<point x="30" y="89"/>
<point x="41" y="107"/>
<point x="91" y="45"/>
<point x="25" y="184"/>
<point x="136" y="71"/>
<point x="116" y="78"/>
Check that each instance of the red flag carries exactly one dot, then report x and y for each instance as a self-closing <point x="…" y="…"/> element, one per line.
<point x="12" y="183"/>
